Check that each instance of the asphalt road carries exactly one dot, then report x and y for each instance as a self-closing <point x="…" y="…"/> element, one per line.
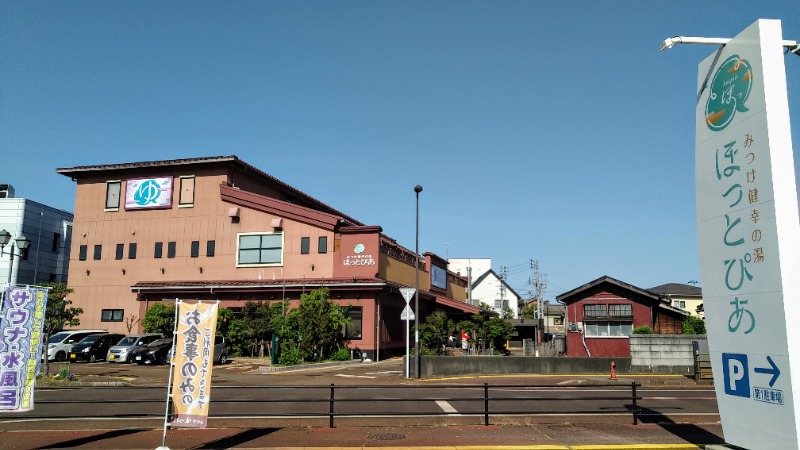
<point x="367" y="394"/>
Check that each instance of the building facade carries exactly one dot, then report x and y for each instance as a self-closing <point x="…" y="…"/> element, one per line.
<point x="218" y="228"/>
<point x="602" y="314"/>
<point x="682" y="296"/>
<point x="48" y="231"/>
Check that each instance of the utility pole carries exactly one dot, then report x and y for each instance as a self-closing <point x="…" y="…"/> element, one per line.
<point x="503" y="276"/>
<point x="539" y="286"/>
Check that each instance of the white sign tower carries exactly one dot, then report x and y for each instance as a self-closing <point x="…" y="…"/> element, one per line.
<point x="749" y="237"/>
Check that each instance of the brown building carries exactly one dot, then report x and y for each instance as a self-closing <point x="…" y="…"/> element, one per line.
<point x="218" y="228"/>
<point x="602" y="314"/>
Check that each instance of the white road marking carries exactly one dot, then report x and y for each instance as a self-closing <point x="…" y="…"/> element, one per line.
<point x="447" y="407"/>
<point x="351" y="376"/>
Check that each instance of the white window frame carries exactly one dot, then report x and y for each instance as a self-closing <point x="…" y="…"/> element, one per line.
<point x="602" y="329"/>
<point x="259" y="264"/>
<point x="119" y="195"/>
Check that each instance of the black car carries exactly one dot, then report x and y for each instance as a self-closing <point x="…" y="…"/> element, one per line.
<point x="94" y="347"/>
<point x="156" y="352"/>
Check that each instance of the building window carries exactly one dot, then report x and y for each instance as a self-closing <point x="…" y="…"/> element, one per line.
<point x="681" y="304"/>
<point x="353" y="331"/>
<point x="56" y="241"/>
<point x="260" y="248"/>
<point x="158" y="250"/>
<point x="186" y="195"/>
<point x="498" y="304"/>
<point x="171" y="249"/>
<point x="210" y="247"/>
<point x="82" y="252"/>
<point x="594" y="310"/>
<point x="112" y="194"/>
<point x="195" y="249"/>
<point x="558" y="321"/>
<point x="98" y="251"/>
<point x="607" y="329"/>
<point x="112" y="315"/>
<point x="305" y="245"/>
<point x="120" y="249"/>
<point x="132" y="250"/>
<point x="322" y="244"/>
<point x="620" y="310"/>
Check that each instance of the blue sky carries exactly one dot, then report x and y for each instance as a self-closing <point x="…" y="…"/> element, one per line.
<point x="553" y="131"/>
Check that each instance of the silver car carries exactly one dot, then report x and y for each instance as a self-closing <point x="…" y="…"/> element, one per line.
<point x="124" y="348"/>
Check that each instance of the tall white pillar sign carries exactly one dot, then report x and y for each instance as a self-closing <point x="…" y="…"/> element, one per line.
<point x="749" y="237"/>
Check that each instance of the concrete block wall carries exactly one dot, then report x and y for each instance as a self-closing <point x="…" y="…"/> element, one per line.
<point x="663" y="353"/>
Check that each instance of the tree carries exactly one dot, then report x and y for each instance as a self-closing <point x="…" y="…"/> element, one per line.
<point x="508" y="313"/>
<point x="694" y="325"/>
<point x="58" y="313"/>
<point x="130" y="321"/>
<point x="257" y="320"/>
<point x="485" y="306"/>
<point x="312" y="331"/>
<point x="434" y="333"/>
<point x="529" y="311"/>
<point x="498" y="331"/>
<point x="159" y="318"/>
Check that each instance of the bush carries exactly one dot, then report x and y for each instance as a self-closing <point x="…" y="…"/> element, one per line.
<point x="343" y="354"/>
<point x="290" y="354"/>
<point x="643" y="329"/>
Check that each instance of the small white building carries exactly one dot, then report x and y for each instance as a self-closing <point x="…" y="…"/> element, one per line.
<point x="49" y="233"/>
<point x="485" y="285"/>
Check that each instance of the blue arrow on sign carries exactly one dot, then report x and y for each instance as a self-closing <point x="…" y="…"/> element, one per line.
<point x="770" y="370"/>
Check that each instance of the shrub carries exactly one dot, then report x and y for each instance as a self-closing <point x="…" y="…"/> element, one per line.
<point x="643" y="329"/>
<point x="343" y="354"/>
<point x="290" y="354"/>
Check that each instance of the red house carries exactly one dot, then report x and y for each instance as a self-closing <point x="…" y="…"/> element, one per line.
<point x="602" y="314"/>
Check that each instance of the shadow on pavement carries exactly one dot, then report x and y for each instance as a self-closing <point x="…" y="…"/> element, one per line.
<point x="237" y="439"/>
<point x="686" y="431"/>
<point x="90" y="439"/>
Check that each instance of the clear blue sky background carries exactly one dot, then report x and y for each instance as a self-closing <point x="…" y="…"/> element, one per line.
<point x="540" y="130"/>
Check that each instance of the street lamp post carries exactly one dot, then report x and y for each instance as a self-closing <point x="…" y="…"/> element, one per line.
<point x="22" y="244"/>
<point x="417" y="356"/>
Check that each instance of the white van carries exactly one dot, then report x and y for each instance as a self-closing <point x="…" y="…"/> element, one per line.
<point x="59" y="344"/>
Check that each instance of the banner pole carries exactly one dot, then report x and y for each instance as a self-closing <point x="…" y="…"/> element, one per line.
<point x="169" y="382"/>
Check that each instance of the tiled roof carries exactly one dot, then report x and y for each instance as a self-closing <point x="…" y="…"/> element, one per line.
<point x="607" y="279"/>
<point x="677" y="290"/>
<point x="280" y="208"/>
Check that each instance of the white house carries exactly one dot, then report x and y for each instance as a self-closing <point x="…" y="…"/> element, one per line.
<point x="485" y="285"/>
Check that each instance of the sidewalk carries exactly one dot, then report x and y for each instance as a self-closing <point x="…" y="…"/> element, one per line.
<point x="562" y="436"/>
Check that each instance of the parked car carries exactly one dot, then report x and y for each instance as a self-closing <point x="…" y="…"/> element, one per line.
<point x="220" y="350"/>
<point x="123" y="350"/>
<point x="94" y="347"/>
<point x="60" y="344"/>
<point x="156" y="352"/>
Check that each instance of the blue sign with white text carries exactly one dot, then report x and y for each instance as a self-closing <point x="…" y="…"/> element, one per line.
<point x="736" y="374"/>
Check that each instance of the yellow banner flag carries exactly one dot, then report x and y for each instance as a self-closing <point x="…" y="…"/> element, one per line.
<point x="194" y="356"/>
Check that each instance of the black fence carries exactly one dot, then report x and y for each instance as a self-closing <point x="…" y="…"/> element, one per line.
<point x="336" y="401"/>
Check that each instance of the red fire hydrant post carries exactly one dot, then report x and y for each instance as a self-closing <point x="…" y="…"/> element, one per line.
<point x="613" y="370"/>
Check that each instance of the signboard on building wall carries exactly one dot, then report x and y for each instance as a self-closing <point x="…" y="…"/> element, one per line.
<point x="148" y="193"/>
<point x="749" y="237"/>
<point x="438" y="277"/>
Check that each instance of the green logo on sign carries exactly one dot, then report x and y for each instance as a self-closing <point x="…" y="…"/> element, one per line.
<point x="729" y="91"/>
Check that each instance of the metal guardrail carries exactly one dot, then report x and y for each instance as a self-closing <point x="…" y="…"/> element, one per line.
<point x="479" y="400"/>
